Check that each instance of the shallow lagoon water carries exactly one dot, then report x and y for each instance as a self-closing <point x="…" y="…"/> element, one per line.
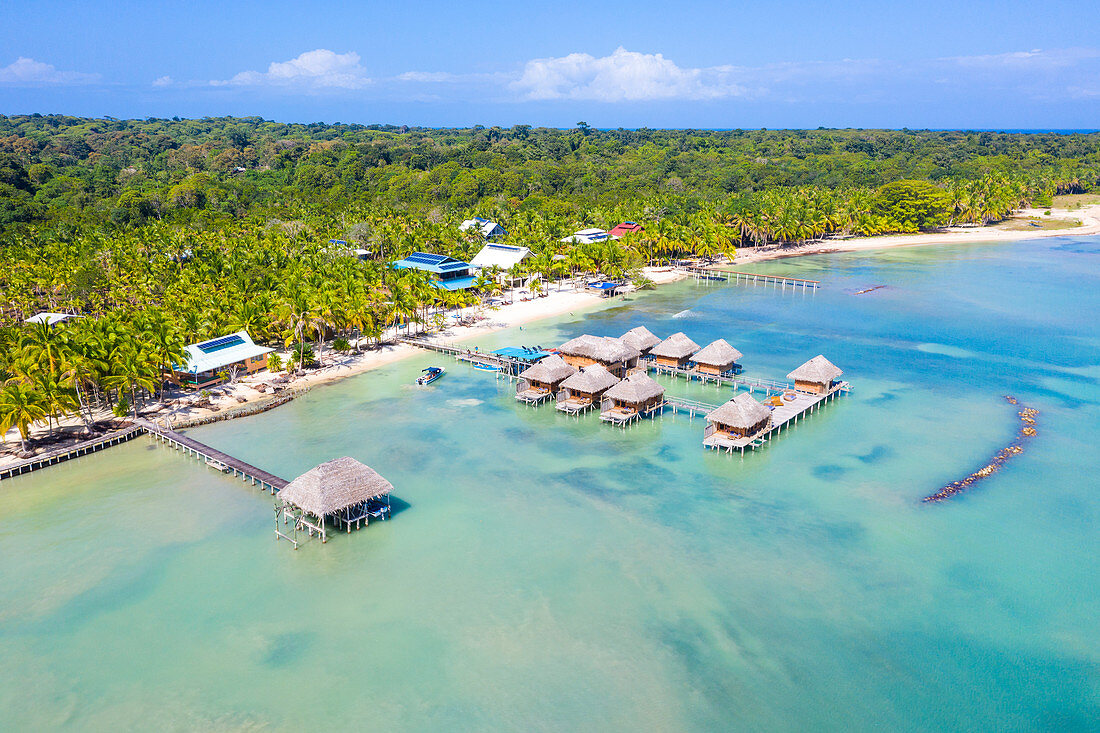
<point x="548" y="573"/>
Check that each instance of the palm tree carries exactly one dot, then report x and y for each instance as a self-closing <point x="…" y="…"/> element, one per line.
<point x="20" y="406"/>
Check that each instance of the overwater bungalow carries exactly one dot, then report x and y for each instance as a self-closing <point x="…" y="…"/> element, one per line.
<point x="343" y="490"/>
<point x="636" y="396"/>
<point x="640" y="338"/>
<point x="542" y="380"/>
<point x="584" y="389"/>
<point x="613" y="354"/>
<point x="675" y="351"/>
<point x="717" y="359"/>
<point x="736" y="422"/>
<point x="817" y="376"/>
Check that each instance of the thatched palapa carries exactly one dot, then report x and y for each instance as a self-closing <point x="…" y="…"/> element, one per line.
<point x="675" y="351"/>
<point x="539" y="381"/>
<point x="335" y="486"/>
<point x="641" y="338"/>
<point x="717" y="357"/>
<point x="817" y="376"/>
<point x="579" y="391"/>
<point x="612" y="353"/>
<point x="631" y="397"/>
<point x="741" y="416"/>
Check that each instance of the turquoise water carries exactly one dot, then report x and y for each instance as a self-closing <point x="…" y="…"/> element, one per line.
<point x="556" y="574"/>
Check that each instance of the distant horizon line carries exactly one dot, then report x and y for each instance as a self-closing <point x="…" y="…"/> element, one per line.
<point x="821" y="128"/>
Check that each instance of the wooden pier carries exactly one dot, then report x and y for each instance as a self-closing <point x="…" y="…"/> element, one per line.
<point x="214" y="457"/>
<point x="504" y="366"/>
<point x="752" y="384"/>
<point x="63" y="454"/>
<point x="750" y="278"/>
<point x="783" y="416"/>
<point x="690" y="407"/>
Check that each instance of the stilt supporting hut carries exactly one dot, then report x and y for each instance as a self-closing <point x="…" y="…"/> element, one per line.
<point x="613" y="354"/>
<point x="736" y="423"/>
<point x="641" y="338"/>
<point x="540" y="381"/>
<point x="342" y="490"/>
<point x="817" y="376"/>
<point x="674" y="352"/>
<point x="584" y="389"/>
<point x="631" y="399"/>
<point x="717" y="359"/>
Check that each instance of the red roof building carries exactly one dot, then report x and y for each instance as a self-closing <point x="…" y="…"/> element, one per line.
<point x="627" y="227"/>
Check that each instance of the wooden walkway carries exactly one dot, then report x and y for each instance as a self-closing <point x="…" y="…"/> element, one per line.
<point x="214" y="457"/>
<point x="505" y="366"/>
<point x="691" y="407"/>
<point x="750" y="383"/>
<point x="750" y="278"/>
<point x="64" y="454"/>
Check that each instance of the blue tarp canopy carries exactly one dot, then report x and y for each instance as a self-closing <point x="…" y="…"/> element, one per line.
<point x="606" y="286"/>
<point x="523" y="353"/>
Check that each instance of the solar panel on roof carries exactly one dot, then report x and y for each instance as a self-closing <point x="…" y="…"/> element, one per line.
<point x="454" y="266"/>
<point x="225" y="342"/>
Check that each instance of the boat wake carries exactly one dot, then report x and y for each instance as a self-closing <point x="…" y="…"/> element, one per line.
<point x="685" y="314"/>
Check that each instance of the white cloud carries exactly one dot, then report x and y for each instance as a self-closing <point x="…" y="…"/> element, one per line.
<point x="318" y="69"/>
<point x="623" y="76"/>
<point x="30" y="72"/>
<point x="1037" y="59"/>
<point x="432" y="77"/>
<point x="162" y="81"/>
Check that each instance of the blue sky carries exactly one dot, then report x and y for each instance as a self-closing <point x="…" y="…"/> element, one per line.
<point x="658" y="64"/>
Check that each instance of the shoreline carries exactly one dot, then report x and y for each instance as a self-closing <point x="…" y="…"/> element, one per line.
<point x="1088" y="216"/>
<point x="557" y="302"/>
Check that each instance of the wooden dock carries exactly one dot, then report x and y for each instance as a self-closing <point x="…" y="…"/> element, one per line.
<point x="752" y="384"/>
<point x="690" y="407"/>
<point x="783" y="416"/>
<point x="214" y="457"/>
<point x="505" y="366"/>
<point x="63" y="454"/>
<point x="750" y="278"/>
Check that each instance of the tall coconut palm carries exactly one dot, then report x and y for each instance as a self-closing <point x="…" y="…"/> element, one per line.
<point x="20" y="406"/>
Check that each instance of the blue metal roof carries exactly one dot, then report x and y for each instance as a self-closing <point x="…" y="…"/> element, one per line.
<point x="523" y="353"/>
<point x="431" y="263"/>
<point x="605" y="286"/>
<point x="455" y="283"/>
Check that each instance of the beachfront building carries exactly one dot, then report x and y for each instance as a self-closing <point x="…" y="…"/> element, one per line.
<point x="446" y="273"/>
<point x="640" y="338"/>
<point x="675" y="351"/>
<point x="733" y="424"/>
<point x="611" y="353"/>
<point x="585" y="389"/>
<point x="631" y="399"/>
<point x="541" y="381"/>
<point x="502" y="256"/>
<point x="817" y="376"/>
<point x="343" y="490"/>
<point x="215" y="361"/>
<point x="627" y="227"/>
<point x="717" y="359"/>
<point x="487" y="229"/>
<point x="586" y="236"/>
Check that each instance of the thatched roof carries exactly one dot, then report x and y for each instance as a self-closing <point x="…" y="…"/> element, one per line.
<point x="593" y="378"/>
<point x="550" y="369"/>
<point x="333" y="486"/>
<point x="717" y="353"/>
<point x="676" y="346"/>
<point x="635" y="389"/>
<point x="741" y="412"/>
<point x="641" y="338"/>
<point x="600" y="348"/>
<point x="818" y="370"/>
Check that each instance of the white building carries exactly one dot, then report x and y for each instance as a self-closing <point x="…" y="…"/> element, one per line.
<point x="50" y="319"/>
<point x="503" y="256"/>
<point x="586" y="236"/>
<point x="206" y="360"/>
<point x="488" y="229"/>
